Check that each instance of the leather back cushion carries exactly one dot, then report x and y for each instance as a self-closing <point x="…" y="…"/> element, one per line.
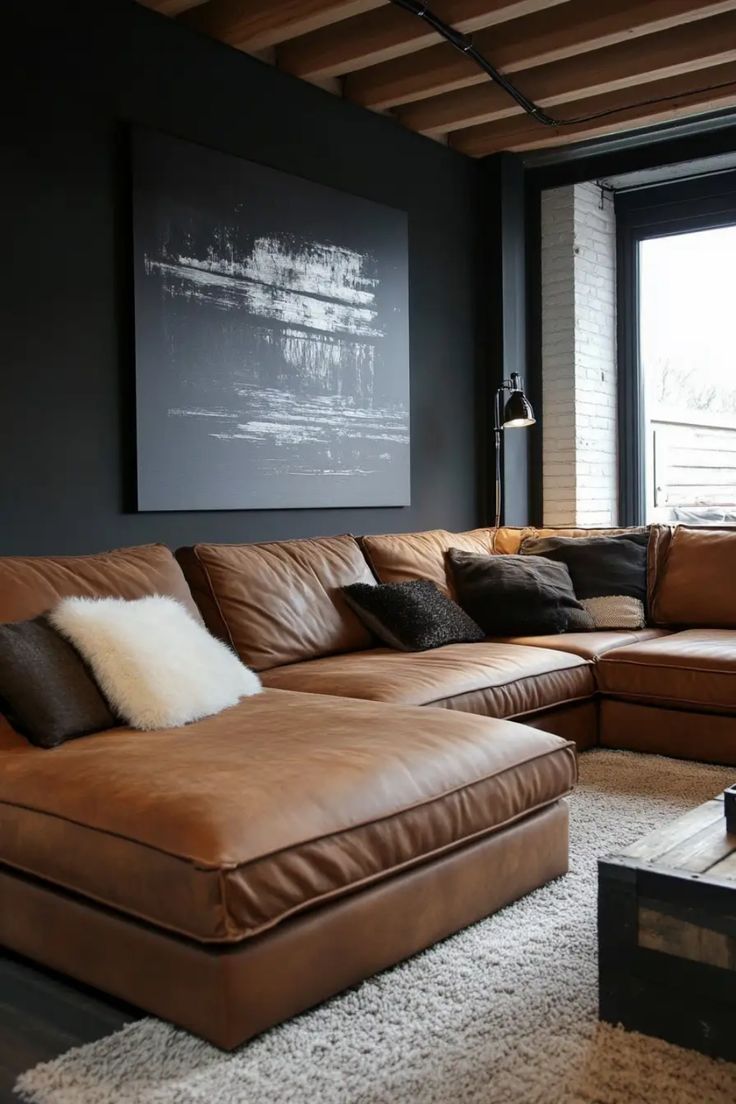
<point x="696" y="578"/>
<point x="398" y="557"/>
<point x="279" y="603"/>
<point x="29" y="585"/>
<point x="509" y="539"/>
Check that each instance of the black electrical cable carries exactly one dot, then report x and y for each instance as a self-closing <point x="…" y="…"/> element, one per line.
<point x="464" y="43"/>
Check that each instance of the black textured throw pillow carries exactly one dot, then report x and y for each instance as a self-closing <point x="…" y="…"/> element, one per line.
<point x="517" y="595"/>
<point x="46" y="691"/>
<point x="412" y="616"/>
<point x="609" y="574"/>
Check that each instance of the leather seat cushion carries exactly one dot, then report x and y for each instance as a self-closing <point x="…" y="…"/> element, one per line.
<point x="694" y="669"/>
<point x="280" y="602"/>
<point x="30" y="585"/>
<point x="499" y="680"/>
<point x="222" y="829"/>
<point x="400" y="557"/>
<point x="589" y="645"/>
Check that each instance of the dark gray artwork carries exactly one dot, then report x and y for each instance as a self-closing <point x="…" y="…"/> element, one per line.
<point x="272" y="361"/>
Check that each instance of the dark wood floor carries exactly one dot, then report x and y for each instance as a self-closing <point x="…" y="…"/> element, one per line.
<point x="42" y="1015"/>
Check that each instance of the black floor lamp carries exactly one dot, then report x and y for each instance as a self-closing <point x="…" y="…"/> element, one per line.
<point x="517" y="414"/>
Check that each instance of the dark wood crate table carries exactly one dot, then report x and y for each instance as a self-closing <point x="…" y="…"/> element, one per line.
<point x="667" y="931"/>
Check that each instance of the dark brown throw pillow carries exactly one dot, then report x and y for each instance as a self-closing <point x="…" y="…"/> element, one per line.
<point x="46" y="691"/>
<point x="609" y="574"/>
<point x="412" y="616"/>
<point x="506" y="598"/>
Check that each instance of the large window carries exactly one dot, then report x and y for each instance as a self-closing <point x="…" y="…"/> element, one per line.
<point x="677" y="351"/>
<point x="687" y="351"/>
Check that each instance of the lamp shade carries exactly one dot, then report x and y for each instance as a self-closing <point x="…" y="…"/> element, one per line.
<point x="518" y="411"/>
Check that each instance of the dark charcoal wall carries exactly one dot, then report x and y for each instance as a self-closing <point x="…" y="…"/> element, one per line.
<point x="78" y="72"/>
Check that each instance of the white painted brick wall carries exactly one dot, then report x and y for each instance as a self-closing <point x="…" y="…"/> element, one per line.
<point x="579" y="357"/>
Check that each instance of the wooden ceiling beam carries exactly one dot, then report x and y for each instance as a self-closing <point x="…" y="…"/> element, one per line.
<point x="171" y="7"/>
<point x="256" y="24"/>
<point x="573" y="28"/>
<point x="687" y="94"/>
<point x="391" y="32"/>
<point x="683" y="49"/>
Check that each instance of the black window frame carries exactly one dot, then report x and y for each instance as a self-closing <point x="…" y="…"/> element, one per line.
<point x="652" y="211"/>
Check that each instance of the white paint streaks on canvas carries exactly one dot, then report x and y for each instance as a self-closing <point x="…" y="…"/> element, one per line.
<point x="281" y="419"/>
<point x="279" y="304"/>
<point x="312" y="284"/>
<point x="339" y="366"/>
<point x="314" y="268"/>
<point x="303" y="395"/>
<point x="311" y="267"/>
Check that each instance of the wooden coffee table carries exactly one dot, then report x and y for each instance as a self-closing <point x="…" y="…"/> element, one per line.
<point x="667" y="931"/>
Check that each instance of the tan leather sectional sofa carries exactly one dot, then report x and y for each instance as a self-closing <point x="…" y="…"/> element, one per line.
<point x="231" y="873"/>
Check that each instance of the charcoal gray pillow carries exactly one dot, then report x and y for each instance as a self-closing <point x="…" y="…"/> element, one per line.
<point x="609" y="574"/>
<point x="46" y="691"/>
<point x="517" y="595"/>
<point x="412" y="616"/>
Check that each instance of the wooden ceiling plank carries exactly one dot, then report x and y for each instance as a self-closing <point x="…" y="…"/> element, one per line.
<point x="550" y="35"/>
<point x="391" y="32"/>
<point x="171" y="7"/>
<point x="685" y="107"/>
<point x="684" y="98"/>
<point x="682" y="49"/>
<point x="255" y="24"/>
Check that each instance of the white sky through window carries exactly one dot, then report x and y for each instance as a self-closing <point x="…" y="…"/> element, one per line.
<point x="688" y="360"/>
<point x="688" y="320"/>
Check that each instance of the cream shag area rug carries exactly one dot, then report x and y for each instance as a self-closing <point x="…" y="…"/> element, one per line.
<point x="502" y="1013"/>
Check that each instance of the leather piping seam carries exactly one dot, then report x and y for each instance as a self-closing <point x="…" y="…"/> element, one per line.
<point x="653" y="697"/>
<point x="205" y="865"/>
<point x="214" y="597"/>
<point x="368" y="559"/>
<point x="693" y="625"/>
<point x="662" y="556"/>
<point x="511" y="682"/>
<point x="270" y="544"/>
<point x="136" y="548"/>
<point x="408" y="864"/>
<point x="582" y="662"/>
<point x="581" y="700"/>
<point x="303" y="906"/>
<point x="672" y="667"/>
<point x="658" y="535"/>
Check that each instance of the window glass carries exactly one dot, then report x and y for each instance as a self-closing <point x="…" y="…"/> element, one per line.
<point x="687" y="324"/>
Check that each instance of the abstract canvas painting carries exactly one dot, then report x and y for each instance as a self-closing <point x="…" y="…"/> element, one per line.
<point x="271" y="337"/>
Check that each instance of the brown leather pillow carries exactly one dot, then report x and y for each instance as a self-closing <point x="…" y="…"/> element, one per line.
<point x="46" y="691"/>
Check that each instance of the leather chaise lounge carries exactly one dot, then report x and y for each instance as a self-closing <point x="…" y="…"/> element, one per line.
<point x="234" y="872"/>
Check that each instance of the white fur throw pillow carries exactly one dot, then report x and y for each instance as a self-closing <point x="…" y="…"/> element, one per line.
<point x="155" y="665"/>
